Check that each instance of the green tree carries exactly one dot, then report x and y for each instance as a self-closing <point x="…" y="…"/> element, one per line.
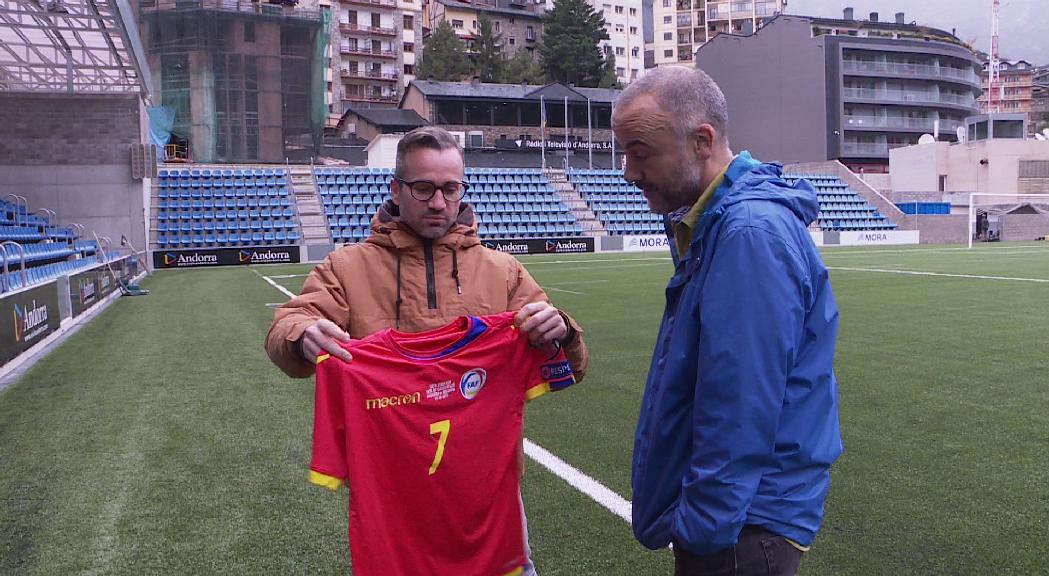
<point x="444" y="56"/>
<point x="522" y="68"/>
<point x="489" y="61"/>
<point x="569" y="51"/>
<point x="608" y="72"/>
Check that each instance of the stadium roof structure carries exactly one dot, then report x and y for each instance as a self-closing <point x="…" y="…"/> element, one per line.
<point x="71" y="46"/>
<point x="509" y="92"/>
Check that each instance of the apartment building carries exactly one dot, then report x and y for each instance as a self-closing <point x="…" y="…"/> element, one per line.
<point x="1014" y="93"/>
<point x="680" y="27"/>
<point x="374" y="44"/>
<point x="518" y="21"/>
<point x="624" y="22"/>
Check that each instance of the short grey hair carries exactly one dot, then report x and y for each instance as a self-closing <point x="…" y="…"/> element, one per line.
<point x="687" y="94"/>
<point x="431" y="137"/>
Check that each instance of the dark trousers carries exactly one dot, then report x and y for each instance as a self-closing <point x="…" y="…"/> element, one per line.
<point x="758" y="553"/>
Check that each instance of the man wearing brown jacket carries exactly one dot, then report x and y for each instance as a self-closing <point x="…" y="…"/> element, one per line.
<point x="422" y="267"/>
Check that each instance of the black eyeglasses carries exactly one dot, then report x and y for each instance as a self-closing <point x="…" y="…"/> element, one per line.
<point x="423" y="190"/>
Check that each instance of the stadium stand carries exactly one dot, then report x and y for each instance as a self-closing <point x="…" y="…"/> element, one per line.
<point x="36" y="251"/>
<point x="509" y="203"/>
<point x="841" y="208"/>
<point x="202" y="207"/>
<point x="624" y="210"/>
<point x="617" y="203"/>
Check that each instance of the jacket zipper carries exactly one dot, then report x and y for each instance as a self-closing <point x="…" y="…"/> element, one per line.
<point x="431" y="283"/>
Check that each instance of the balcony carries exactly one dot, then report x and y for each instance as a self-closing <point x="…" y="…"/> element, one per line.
<point x="368" y="75"/>
<point x="382" y="3"/>
<point x="898" y="123"/>
<point x="394" y="98"/>
<point x="912" y="97"/>
<point x="865" y="149"/>
<point x="362" y="30"/>
<point x="362" y="51"/>
<point x="911" y="70"/>
<point x="269" y="9"/>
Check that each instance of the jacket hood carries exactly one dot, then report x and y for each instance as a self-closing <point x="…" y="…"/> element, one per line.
<point x="765" y="182"/>
<point x="389" y="231"/>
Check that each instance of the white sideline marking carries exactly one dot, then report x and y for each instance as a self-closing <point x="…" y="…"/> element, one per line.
<point x="286" y="292"/>
<point x="282" y="276"/>
<point x="615" y="503"/>
<point x="551" y="288"/>
<point x="578" y="480"/>
<point x="977" y="251"/>
<point x="580" y="282"/>
<point x="920" y="273"/>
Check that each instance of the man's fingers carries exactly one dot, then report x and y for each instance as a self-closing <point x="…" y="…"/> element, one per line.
<point x="332" y="347"/>
<point x="527" y="311"/>
<point x="332" y="330"/>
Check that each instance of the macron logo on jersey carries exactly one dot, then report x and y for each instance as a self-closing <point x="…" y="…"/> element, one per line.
<point x="472" y="382"/>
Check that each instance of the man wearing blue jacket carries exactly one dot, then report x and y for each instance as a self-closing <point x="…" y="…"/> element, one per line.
<point x="739" y="422"/>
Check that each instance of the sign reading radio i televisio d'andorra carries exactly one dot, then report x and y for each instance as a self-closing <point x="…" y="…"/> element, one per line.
<point x="225" y="257"/>
<point x="27" y="318"/>
<point x="552" y="246"/>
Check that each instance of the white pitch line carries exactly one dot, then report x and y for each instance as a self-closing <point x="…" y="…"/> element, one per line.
<point x="920" y="273"/>
<point x="615" y="503"/>
<point x="553" y="289"/>
<point x="579" y="282"/>
<point x="282" y="276"/>
<point x="580" y="481"/>
<point x="286" y="292"/>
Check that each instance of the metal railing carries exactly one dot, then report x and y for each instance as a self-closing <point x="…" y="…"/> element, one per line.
<point x="898" y="122"/>
<point x="367" y="52"/>
<point x="20" y="202"/>
<point x="365" y="29"/>
<point x="908" y="96"/>
<point x="21" y="255"/>
<point x="905" y="69"/>
<point x="368" y="75"/>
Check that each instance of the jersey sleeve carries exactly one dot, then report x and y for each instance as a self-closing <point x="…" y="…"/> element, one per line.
<point x="543" y="372"/>
<point x="328" y="462"/>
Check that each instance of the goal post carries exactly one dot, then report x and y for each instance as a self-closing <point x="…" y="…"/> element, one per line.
<point x="998" y="200"/>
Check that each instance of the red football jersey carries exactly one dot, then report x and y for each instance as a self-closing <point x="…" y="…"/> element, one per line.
<point x="424" y="430"/>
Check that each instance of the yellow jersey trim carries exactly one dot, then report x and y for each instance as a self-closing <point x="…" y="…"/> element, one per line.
<point x="798" y="546"/>
<point x="537" y="391"/>
<point x="322" y="358"/>
<point x="325" y="481"/>
<point x="515" y="572"/>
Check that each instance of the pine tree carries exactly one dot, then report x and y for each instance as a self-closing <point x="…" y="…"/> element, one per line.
<point x="489" y="61"/>
<point x="522" y="68"/>
<point x="609" y="79"/>
<point x="569" y="51"/>
<point x="444" y="56"/>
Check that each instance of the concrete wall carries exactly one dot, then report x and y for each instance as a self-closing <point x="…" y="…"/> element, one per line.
<point x="940" y="229"/>
<point x="1023" y="227"/>
<point x="917" y="168"/>
<point x="775" y="85"/>
<point x="71" y="153"/>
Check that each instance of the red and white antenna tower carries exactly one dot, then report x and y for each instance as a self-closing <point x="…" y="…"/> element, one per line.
<point x="994" y="81"/>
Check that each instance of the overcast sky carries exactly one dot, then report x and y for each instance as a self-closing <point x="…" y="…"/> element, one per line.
<point x="1024" y="24"/>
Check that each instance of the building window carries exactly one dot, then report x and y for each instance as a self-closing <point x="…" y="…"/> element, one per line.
<point x="409" y="22"/>
<point x="619" y="9"/>
<point x="633" y="30"/>
<point x="666" y="3"/>
<point x="619" y="28"/>
<point x="376" y="21"/>
<point x="606" y="7"/>
<point x="668" y="35"/>
<point x="498" y="26"/>
<point x="530" y="33"/>
<point x="474" y="24"/>
<point x="620" y="51"/>
<point x="513" y="41"/>
<point x="457" y="24"/>
<point x="633" y="11"/>
<point x="620" y="71"/>
<point x="249" y="31"/>
<point x="668" y="19"/>
<point x="668" y="53"/>
<point x="409" y="69"/>
<point x="409" y="47"/>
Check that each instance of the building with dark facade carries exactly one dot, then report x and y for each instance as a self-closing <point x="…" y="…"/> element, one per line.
<point x="806" y="89"/>
<point x="245" y="79"/>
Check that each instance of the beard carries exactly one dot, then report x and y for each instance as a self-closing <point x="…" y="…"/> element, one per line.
<point x="683" y="191"/>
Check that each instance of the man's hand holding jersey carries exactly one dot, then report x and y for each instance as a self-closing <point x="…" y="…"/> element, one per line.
<point x="323" y="337"/>
<point x="544" y="326"/>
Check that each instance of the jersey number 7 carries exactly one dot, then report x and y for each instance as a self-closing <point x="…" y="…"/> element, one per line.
<point x="441" y="428"/>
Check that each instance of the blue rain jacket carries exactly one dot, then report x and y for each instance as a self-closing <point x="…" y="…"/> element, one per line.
<point x="739" y="422"/>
